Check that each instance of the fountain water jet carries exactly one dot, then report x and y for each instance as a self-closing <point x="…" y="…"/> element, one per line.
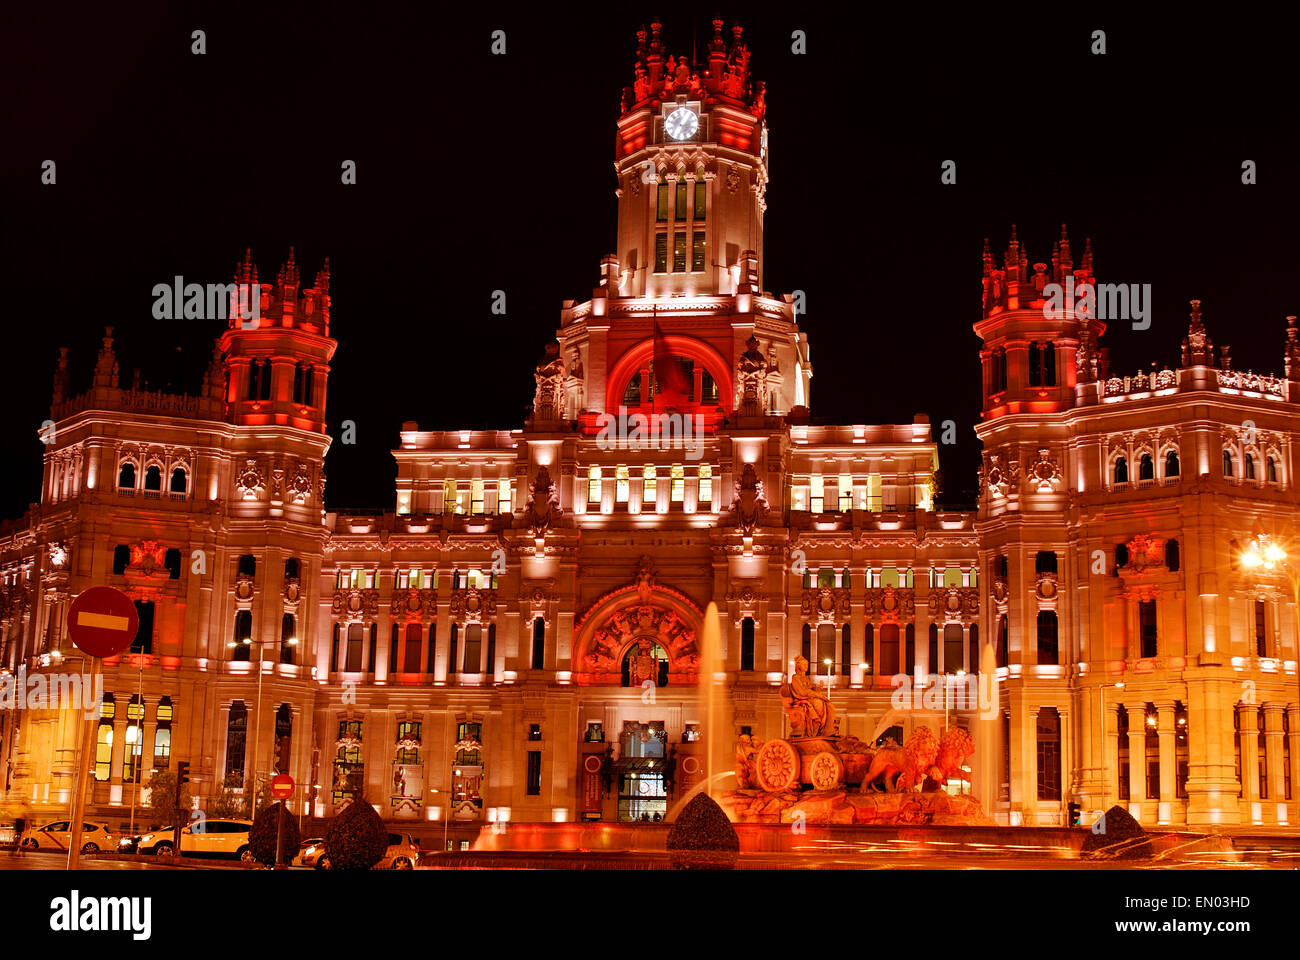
<point x="719" y="737"/>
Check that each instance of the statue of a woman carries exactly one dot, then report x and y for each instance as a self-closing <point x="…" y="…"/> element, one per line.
<point x="807" y="703"/>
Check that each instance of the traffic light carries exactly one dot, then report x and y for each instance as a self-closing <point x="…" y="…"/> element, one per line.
<point x="282" y="754"/>
<point x="1076" y="814"/>
<point x="182" y="778"/>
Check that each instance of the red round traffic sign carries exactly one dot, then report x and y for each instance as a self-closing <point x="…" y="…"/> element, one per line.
<point x="282" y="786"/>
<point x="102" y="621"/>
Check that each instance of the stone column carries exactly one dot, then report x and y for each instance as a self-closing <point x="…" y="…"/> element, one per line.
<point x="1273" y="735"/>
<point x="1165" y="722"/>
<point x="1249" y="755"/>
<point x="1293" y="741"/>
<point x="1137" y="756"/>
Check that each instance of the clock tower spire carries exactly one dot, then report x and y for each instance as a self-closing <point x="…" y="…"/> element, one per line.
<point x="691" y="159"/>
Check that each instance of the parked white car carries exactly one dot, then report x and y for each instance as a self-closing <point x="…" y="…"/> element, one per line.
<point x="213" y="837"/>
<point x="57" y="836"/>
<point x="403" y="853"/>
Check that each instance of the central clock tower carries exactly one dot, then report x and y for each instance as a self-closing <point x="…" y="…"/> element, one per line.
<point x="691" y="159"/>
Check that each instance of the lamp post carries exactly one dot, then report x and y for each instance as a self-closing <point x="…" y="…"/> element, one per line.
<point x="1101" y="742"/>
<point x="138" y="770"/>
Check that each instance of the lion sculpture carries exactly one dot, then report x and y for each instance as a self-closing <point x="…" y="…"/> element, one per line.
<point x="955" y="747"/>
<point x="910" y="762"/>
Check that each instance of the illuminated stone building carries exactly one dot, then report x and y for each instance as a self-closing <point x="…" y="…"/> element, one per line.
<point x="519" y="638"/>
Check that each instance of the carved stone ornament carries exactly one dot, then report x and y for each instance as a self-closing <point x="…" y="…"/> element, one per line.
<point x="355" y="604"/>
<point x="749" y="505"/>
<point x="250" y="481"/>
<point x="58" y="555"/>
<point x="891" y="603"/>
<point x="300" y="485"/>
<point x="550" y="377"/>
<point x="954" y="603"/>
<point x="751" y="380"/>
<point x="1145" y="554"/>
<point x="543" y="507"/>
<point x="147" y="557"/>
<point x="1044" y="471"/>
<point x="825" y="604"/>
<point x="292" y="590"/>
<point x="472" y="604"/>
<point x="1000" y="591"/>
<point x="996" y="480"/>
<point x="412" y="602"/>
<point x="1046" y="588"/>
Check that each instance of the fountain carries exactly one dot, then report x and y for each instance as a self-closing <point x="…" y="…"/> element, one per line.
<point x="806" y="778"/>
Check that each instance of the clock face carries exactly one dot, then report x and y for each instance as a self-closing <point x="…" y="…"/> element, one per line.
<point x="681" y="124"/>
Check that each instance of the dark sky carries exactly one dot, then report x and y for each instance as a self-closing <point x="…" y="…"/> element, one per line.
<point x="480" y="172"/>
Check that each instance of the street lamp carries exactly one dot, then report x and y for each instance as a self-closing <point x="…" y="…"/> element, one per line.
<point x="1101" y="699"/>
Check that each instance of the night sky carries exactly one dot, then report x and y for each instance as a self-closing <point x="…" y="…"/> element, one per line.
<point x="478" y="172"/>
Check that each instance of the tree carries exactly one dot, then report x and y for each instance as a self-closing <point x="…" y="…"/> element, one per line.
<point x="356" y="839"/>
<point x="164" y="811"/>
<point x="262" y="835"/>
<point x="230" y="802"/>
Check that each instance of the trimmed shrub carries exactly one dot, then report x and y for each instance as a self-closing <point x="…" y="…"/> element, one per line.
<point x="261" y="836"/>
<point x="1117" y="836"/>
<point x="356" y="839"/>
<point x="702" y="837"/>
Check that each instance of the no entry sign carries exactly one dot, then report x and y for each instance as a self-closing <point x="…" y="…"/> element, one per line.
<point x="282" y="786"/>
<point x="102" y="621"/>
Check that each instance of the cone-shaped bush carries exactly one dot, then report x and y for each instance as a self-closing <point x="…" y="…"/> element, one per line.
<point x="261" y="837"/>
<point x="702" y="837"/>
<point x="1116" y="835"/>
<point x="356" y="839"/>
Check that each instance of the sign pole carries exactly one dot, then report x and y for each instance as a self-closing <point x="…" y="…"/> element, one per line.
<point x="84" y="763"/>
<point x="102" y="622"/>
<point x="279" y="837"/>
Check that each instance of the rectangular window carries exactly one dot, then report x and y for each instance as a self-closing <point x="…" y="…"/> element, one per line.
<point x="1049" y="754"/>
<point x="504" y="504"/>
<point x="355" y="636"/>
<point x="1147" y="627"/>
<point x="412" y="659"/>
<point x="705" y="495"/>
<point x="476" y="497"/>
<point x="846" y="493"/>
<point x="649" y="485"/>
<point x="875" y="492"/>
<point x="661" y="253"/>
<point x="816" y="498"/>
<point x="1260" y="634"/>
<point x="534" y="773"/>
<point x="678" y="492"/>
<point x="701" y="193"/>
<point x="679" y="252"/>
<point x="473" y="648"/>
<point x="697" y="251"/>
<point x="799" y="498"/>
<point x="593" y="485"/>
<point x="679" y="211"/>
<point x="661" y="203"/>
<point x="622" y="484"/>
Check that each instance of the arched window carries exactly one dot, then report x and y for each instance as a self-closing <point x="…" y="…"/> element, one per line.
<point x="657" y="654"/>
<point x="889" y="650"/>
<point x="933" y="648"/>
<point x="236" y="733"/>
<point x="413" y="660"/>
<point x="1148" y="639"/>
<point x="179" y="482"/>
<point x="126" y="476"/>
<point x="1004" y="642"/>
<point x="1171" y="463"/>
<point x="153" y="477"/>
<point x="104" y="737"/>
<point x="1047" y="650"/>
<point x="283" y="737"/>
<point x="1049" y="754"/>
<point x="162" y="736"/>
<point x="1121" y="470"/>
<point x="1171" y="555"/>
<point x="172" y="563"/>
<point x="291" y="568"/>
<point x="825" y="650"/>
<point x="242" y="641"/>
<point x="473" y="648"/>
<point x="247" y="565"/>
<point x="539" y="644"/>
<point x="121" y="558"/>
<point x="288" y="637"/>
<point x="1250" y="467"/>
<point x="143" y="642"/>
<point x="1227" y="463"/>
<point x="909" y="648"/>
<point x="433" y="647"/>
<point x="1045" y="562"/>
<point x="1049" y="364"/>
<point x="868" y="649"/>
<point x="973" y="655"/>
<point x="356" y="636"/>
<point x="805" y="648"/>
<point x="953" y="641"/>
<point x="747" y="644"/>
<point x="844" y="579"/>
<point x="1146" y="468"/>
<point x="1121" y="557"/>
<point x="453" y="650"/>
<point x="846" y="649"/>
<point x="1270" y="469"/>
<point x="1035" y="365"/>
